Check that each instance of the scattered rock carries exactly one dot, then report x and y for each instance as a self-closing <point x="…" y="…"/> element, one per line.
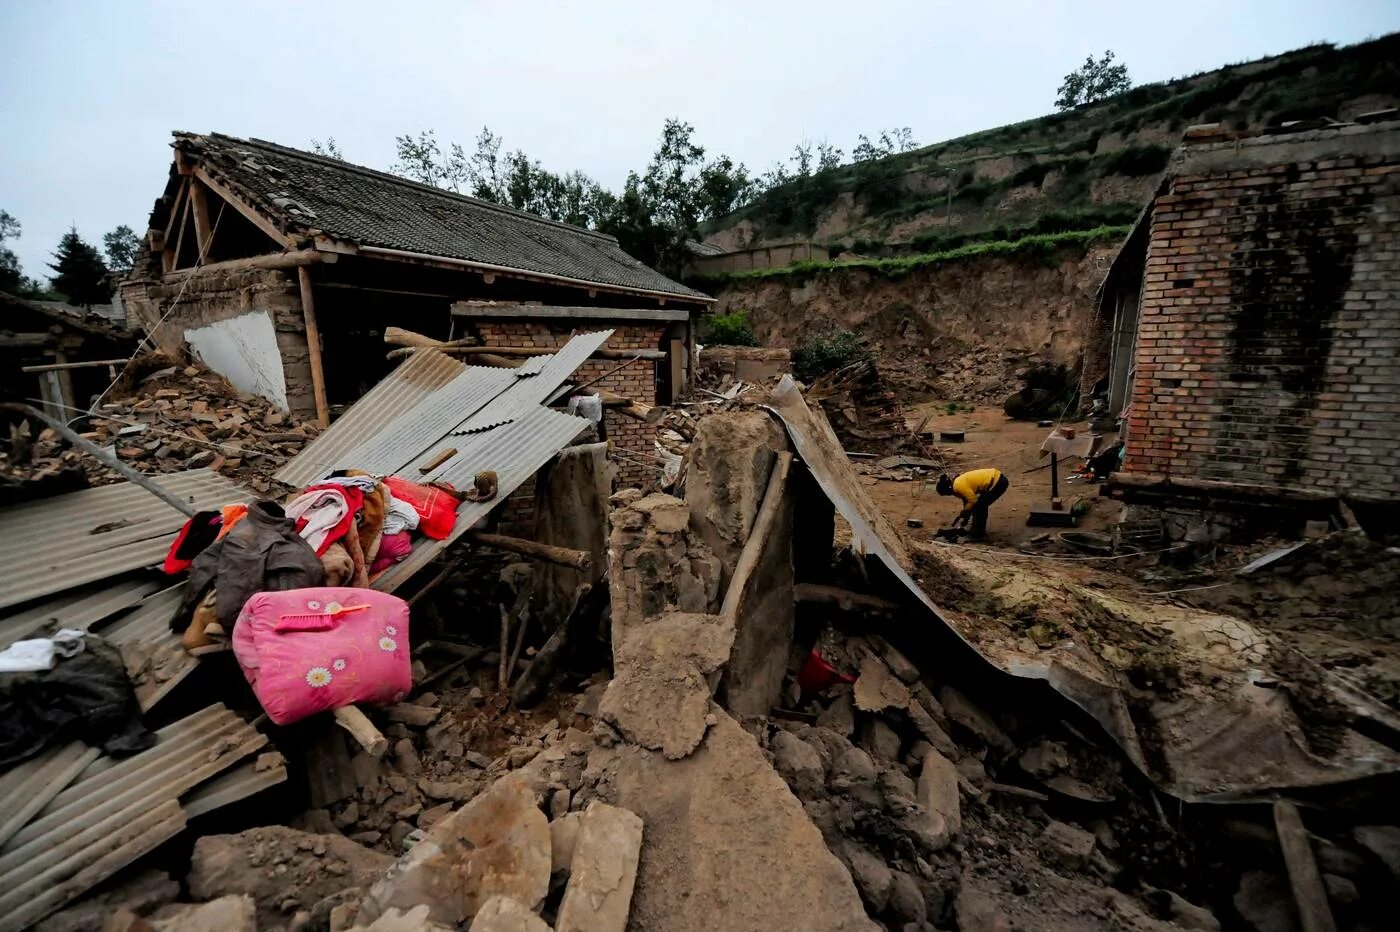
<point x="1044" y="759"/>
<point x="938" y="795"/>
<point x="840" y="716"/>
<point x="563" y="836"/>
<point x="932" y="732"/>
<point x="244" y="864"/>
<point x="503" y="914"/>
<point x="907" y="900"/>
<point x="1265" y="901"/>
<point x="226" y="914"/>
<point x="498" y="843"/>
<point x="899" y="664"/>
<point x="977" y="911"/>
<point x="877" y="688"/>
<point x="1384" y="842"/>
<point x="1340" y="890"/>
<point x="659" y="697"/>
<point x="968" y="716"/>
<point x="872" y="876"/>
<point x="880" y="740"/>
<point x="798" y="762"/>
<point x="141" y="896"/>
<point x="1067" y="844"/>
<point x="1190" y="916"/>
<point x="603" y="871"/>
<point x="853" y="773"/>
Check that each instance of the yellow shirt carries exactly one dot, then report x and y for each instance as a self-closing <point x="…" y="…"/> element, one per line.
<point x="971" y="485"/>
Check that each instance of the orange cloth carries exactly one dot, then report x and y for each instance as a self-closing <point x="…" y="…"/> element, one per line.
<point x="232" y="514"/>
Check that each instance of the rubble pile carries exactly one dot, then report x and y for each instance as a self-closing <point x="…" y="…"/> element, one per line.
<point x="865" y="414"/>
<point x="175" y="418"/>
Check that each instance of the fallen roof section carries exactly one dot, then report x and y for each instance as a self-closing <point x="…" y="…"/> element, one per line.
<point x="1226" y="765"/>
<point x="103" y="816"/>
<point x="57" y="544"/>
<point x="492" y="418"/>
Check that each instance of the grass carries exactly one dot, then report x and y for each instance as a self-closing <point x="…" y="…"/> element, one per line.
<point x="1042" y="246"/>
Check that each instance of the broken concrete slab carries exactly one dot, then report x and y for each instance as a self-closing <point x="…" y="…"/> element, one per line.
<point x="938" y="795"/>
<point x="660" y="694"/>
<point x="966" y="715"/>
<point x="603" y="873"/>
<point x="840" y="716"/>
<point x="798" y="762"/>
<point x="277" y="865"/>
<point x="1067" y="844"/>
<point x="728" y="846"/>
<point x="899" y="665"/>
<point x="499" y="843"/>
<point x="876" y="688"/>
<point x="503" y="914"/>
<point x="871" y="874"/>
<point x="563" y="836"/>
<point x="880" y="740"/>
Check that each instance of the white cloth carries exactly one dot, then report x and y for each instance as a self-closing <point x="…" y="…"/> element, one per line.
<point x="365" y="484"/>
<point x="398" y="514"/>
<point x="35" y="654"/>
<point x="323" y="509"/>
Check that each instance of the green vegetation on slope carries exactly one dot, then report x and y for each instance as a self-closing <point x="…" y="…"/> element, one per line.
<point x="1063" y="155"/>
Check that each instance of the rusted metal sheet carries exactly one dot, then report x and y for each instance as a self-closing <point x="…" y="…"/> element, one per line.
<point x="114" y="812"/>
<point x="57" y="544"/>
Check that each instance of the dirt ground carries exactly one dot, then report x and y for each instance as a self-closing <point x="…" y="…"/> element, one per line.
<point x="992" y="439"/>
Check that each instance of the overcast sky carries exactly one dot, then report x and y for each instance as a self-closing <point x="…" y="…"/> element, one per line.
<point x="89" y="92"/>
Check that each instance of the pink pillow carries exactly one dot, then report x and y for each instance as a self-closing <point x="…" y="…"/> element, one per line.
<point x="311" y="650"/>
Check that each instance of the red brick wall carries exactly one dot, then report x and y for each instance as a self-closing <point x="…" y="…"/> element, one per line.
<point x="1269" y="345"/>
<point x="632" y="440"/>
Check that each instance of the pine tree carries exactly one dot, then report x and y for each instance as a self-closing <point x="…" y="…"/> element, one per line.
<point x="80" y="275"/>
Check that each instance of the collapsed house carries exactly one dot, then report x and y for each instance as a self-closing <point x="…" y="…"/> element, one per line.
<point x="1247" y="331"/>
<point x="282" y="270"/>
<point x="58" y="356"/>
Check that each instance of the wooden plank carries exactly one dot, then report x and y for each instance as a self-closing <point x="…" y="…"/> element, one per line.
<point x="171" y="257"/>
<point x="313" y="345"/>
<point x="278" y="260"/>
<point x="203" y="235"/>
<point x="248" y="212"/>
<point x="676" y="361"/>
<point x="362" y="730"/>
<point x="563" y="556"/>
<point x="754" y="546"/>
<point x="441" y="457"/>
<point x="1314" y="913"/>
<point x="56" y="366"/>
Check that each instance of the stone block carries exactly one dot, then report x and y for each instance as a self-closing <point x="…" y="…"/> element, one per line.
<point x="604" y="871"/>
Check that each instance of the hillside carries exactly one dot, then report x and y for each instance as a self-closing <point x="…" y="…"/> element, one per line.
<point x="1086" y="168"/>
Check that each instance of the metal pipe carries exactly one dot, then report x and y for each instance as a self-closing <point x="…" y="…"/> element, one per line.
<point x="92" y="449"/>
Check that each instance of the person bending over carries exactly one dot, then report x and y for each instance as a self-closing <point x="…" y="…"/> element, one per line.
<point x="978" y="489"/>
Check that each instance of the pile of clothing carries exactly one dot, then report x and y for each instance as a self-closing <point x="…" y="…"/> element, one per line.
<point x="344" y="530"/>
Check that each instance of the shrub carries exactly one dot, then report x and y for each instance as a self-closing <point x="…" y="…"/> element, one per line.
<point x="728" y="330"/>
<point x="828" y="352"/>
<point x="1135" y="160"/>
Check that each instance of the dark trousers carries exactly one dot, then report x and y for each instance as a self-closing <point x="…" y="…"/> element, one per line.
<point x="984" y="501"/>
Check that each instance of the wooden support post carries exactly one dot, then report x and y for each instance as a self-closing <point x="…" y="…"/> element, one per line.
<point x="563" y="556"/>
<point x="758" y="537"/>
<point x="199" y="205"/>
<point x="843" y="599"/>
<point x="362" y="730"/>
<point x="629" y="408"/>
<point x="1314" y="913"/>
<point x="313" y="344"/>
<point x="171" y="257"/>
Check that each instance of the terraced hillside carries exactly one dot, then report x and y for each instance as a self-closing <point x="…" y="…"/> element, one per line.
<point x="1091" y="167"/>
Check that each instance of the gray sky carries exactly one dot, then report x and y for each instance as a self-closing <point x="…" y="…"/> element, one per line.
<point x="89" y="92"/>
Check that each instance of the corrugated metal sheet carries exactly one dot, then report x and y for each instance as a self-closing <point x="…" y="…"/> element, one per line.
<point x="416" y="378"/>
<point x="113" y="813"/>
<point x="526" y="393"/>
<point x="515" y="451"/>
<point x="28" y="787"/>
<point x="81" y="608"/>
<point x="239" y="783"/>
<point x="63" y="542"/>
<point x="155" y="659"/>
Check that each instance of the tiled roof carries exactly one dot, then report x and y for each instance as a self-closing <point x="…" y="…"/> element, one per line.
<point x="303" y="193"/>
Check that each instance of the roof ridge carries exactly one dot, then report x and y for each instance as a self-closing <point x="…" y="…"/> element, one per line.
<point x="343" y="165"/>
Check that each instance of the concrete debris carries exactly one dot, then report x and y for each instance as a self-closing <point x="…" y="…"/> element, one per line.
<point x="1265" y="902"/>
<point x="232" y="913"/>
<point x="503" y="914"/>
<point x="938" y="795"/>
<point x="877" y="688"/>
<point x="840" y="716"/>
<point x="603" y="871"/>
<point x="1067" y="844"/>
<point x="730" y="461"/>
<point x="499" y="843"/>
<point x="1383" y="841"/>
<point x="660" y="695"/>
<point x="141" y="896"/>
<point x="563" y="837"/>
<point x="715" y="823"/>
<point x="656" y="565"/>
<point x="282" y="869"/>
<point x="971" y="719"/>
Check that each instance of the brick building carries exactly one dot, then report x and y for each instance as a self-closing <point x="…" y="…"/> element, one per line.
<point x="282" y="269"/>
<point x="1249" y="331"/>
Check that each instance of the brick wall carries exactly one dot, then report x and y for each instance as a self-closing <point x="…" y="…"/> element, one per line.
<point x="632" y="443"/>
<point x="1269" y="343"/>
<point x="214" y="296"/>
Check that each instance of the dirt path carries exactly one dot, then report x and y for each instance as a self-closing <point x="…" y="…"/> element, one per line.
<point x="992" y="439"/>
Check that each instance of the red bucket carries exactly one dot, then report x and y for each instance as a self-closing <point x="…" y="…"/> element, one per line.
<point x="817" y="675"/>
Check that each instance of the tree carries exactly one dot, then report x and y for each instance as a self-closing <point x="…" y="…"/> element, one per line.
<point x="80" y="275"/>
<point x="329" y="148"/>
<point x="121" y="246"/>
<point x="1093" y="80"/>
<point x="421" y="159"/>
<point x="11" y="275"/>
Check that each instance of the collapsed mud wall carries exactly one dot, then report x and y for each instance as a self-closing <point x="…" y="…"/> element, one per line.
<point x="959" y="331"/>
